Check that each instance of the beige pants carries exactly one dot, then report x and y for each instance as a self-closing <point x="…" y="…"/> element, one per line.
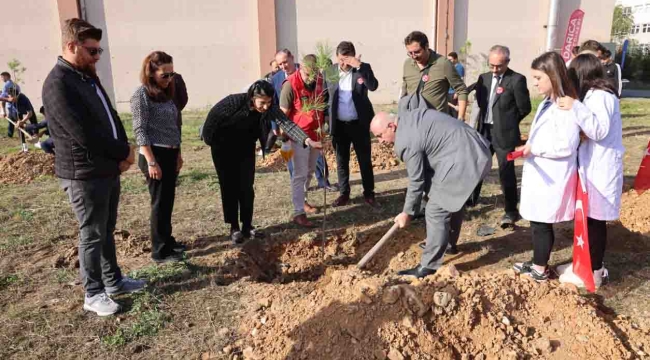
<point x="304" y="165"/>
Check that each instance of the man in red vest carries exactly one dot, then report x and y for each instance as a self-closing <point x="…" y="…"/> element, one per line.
<point x="300" y="88"/>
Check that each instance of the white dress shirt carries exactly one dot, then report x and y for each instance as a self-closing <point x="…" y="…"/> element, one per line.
<point x="346" y="109"/>
<point x="108" y="111"/>
<point x="496" y="79"/>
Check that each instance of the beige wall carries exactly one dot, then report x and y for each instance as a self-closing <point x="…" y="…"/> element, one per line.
<point x="377" y="29"/>
<point x="214" y="44"/>
<point x="480" y="22"/>
<point x="30" y="33"/>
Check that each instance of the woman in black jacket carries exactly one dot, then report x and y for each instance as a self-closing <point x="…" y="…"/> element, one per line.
<point x="231" y="130"/>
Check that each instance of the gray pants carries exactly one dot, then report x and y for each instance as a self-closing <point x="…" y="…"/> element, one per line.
<point x="94" y="203"/>
<point x="443" y="229"/>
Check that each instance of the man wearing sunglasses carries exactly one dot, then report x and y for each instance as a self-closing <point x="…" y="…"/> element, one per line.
<point x="91" y="151"/>
<point x="432" y="75"/>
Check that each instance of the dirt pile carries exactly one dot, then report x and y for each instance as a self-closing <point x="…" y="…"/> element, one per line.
<point x="348" y="314"/>
<point x="23" y="168"/>
<point x="635" y="211"/>
<point x="382" y="156"/>
<point x="273" y="162"/>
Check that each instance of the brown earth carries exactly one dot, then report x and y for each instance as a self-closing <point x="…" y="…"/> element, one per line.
<point x="635" y="211"/>
<point x="23" y="168"/>
<point x="382" y="156"/>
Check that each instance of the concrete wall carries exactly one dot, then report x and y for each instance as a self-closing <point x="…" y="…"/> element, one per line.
<point x="486" y="23"/>
<point x="31" y="34"/>
<point x="214" y="44"/>
<point x="376" y="28"/>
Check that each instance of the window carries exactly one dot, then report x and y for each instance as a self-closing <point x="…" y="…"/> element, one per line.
<point x="646" y="28"/>
<point x="638" y="8"/>
<point x="627" y="11"/>
<point x="635" y="29"/>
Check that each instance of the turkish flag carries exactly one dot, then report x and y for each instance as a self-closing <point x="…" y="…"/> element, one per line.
<point x="581" y="256"/>
<point x="642" y="180"/>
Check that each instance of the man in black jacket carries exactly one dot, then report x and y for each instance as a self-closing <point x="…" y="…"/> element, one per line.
<point x="91" y="152"/>
<point x="350" y="113"/>
<point x="503" y="98"/>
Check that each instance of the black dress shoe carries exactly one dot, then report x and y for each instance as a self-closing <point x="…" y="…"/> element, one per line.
<point x="418" y="271"/>
<point x="509" y="219"/>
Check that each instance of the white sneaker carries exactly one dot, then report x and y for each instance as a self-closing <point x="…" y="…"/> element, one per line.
<point x="101" y="304"/>
<point x="568" y="276"/>
<point x="25" y="148"/>
<point x="37" y="145"/>
<point x="564" y="268"/>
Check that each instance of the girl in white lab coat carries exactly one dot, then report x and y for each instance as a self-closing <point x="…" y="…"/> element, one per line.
<point x="549" y="177"/>
<point x="600" y="156"/>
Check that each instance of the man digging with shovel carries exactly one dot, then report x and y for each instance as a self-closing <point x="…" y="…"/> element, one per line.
<point x="445" y="154"/>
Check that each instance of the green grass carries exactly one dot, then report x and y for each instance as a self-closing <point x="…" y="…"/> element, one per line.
<point x="160" y="273"/>
<point x="147" y="321"/>
<point x="8" y="280"/>
<point x="64" y="276"/>
<point x="15" y="243"/>
<point x="133" y="184"/>
<point x="23" y="214"/>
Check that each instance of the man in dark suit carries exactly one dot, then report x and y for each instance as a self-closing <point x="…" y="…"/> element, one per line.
<point x="504" y="101"/>
<point x="444" y="158"/>
<point x="350" y="113"/>
<point x="91" y="151"/>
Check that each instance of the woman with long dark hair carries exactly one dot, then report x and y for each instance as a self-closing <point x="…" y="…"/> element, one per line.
<point x="158" y="134"/>
<point x="600" y="156"/>
<point x="231" y="130"/>
<point x="549" y="175"/>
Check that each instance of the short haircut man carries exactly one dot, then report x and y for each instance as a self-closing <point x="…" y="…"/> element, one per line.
<point x="92" y="151"/>
<point x="350" y="112"/>
<point x="431" y="75"/>
<point x="591" y="47"/>
<point x="504" y="101"/>
<point x="453" y="55"/>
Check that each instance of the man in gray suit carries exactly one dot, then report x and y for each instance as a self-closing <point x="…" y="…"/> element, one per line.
<point x="444" y="158"/>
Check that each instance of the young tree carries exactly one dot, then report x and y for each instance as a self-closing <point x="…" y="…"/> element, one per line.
<point x="622" y="24"/>
<point x="17" y="70"/>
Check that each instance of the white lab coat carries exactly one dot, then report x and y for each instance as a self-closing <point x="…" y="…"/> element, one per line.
<point x="548" y="182"/>
<point x="601" y="156"/>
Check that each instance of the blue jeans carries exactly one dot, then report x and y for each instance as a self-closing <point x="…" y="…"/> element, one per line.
<point x="322" y="172"/>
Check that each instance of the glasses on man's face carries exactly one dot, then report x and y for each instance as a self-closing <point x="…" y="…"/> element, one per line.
<point x="93" y="51"/>
<point x="168" y="75"/>
<point x="414" y="53"/>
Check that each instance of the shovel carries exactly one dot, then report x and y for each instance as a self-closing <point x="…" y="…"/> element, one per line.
<point x="366" y="258"/>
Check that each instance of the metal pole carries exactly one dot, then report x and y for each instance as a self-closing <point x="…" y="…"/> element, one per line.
<point x="551" y="28"/>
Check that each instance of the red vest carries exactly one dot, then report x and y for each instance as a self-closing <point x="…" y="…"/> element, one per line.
<point x="307" y="121"/>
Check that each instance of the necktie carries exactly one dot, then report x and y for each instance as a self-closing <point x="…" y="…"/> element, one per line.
<point x="547" y="103"/>
<point x="496" y="79"/>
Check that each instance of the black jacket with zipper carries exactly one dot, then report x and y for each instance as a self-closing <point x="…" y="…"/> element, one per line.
<point x="80" y="126"/>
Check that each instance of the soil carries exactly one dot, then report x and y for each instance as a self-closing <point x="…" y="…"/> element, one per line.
<point x="635" y="211"/>
<point x="382" y="156"/>
<point x="23" y="168"/>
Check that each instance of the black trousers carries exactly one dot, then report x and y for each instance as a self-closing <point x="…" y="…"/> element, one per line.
<point x="352" y="133"/>
<point x="507" y="176"/>
<point x="597" y="242"/>
<point x="543" y="240"/>
<point x="163" y="193"/>
<point x="236" y="172"/>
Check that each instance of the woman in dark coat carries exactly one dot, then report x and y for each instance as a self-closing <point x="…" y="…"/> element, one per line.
<point x="231" y="130"/>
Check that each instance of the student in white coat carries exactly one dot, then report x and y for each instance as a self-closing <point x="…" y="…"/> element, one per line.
<point x="549" y="176"/>
<point x="601" y="158"/>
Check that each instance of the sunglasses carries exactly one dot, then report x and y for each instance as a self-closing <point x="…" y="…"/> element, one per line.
<point x="167" y="75"/>
<point x="93" y="51"/>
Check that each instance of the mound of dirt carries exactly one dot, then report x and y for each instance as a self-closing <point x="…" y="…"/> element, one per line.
<point x="350" y="314"/>
<point x="273" y="162"/>
<point x="635" y="211"/>
<point x="382" y="156"/>
<point x="23" y="168"/>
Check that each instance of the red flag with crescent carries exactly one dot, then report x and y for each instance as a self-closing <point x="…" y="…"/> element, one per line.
<point x="642" y="180"/>
<point x="581" y="256"/>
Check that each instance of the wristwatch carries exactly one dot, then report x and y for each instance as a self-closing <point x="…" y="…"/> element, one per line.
<point x="152" y="164"/>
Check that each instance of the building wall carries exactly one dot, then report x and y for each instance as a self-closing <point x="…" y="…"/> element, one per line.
<point x="640" y="10"/>
<point x="377" y="29"/>
<point x="214" y="44"/>
<point x="478" y="22"/>
<point x="31" y="34"/>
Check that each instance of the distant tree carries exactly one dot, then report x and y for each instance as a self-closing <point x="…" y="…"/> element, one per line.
<point x="622" y="24"/>
<point x="17" y="70"/>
